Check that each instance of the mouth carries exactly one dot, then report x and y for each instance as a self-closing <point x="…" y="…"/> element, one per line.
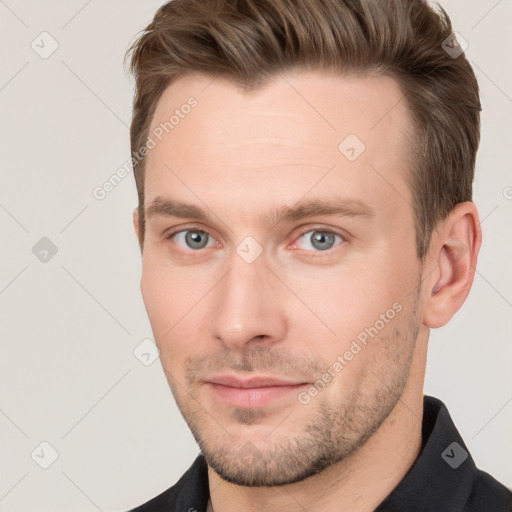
<point x="254" y="392"/>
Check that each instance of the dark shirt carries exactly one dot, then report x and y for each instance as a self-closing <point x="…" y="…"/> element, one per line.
<point x="443" y="478"/>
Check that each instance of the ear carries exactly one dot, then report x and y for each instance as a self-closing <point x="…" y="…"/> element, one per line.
<point x="135" y="220"/>
<point x="453" y="253"/>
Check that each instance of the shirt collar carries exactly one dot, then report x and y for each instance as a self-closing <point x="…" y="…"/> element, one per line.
<point x="442" y="476"/>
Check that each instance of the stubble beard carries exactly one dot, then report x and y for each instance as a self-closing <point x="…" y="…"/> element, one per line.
<point x="334" y="432"/>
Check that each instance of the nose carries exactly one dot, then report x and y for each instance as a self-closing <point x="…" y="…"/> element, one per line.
<point x="248" y="307"/>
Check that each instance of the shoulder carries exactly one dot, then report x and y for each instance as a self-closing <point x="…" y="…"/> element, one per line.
<point x="488" y="494"/>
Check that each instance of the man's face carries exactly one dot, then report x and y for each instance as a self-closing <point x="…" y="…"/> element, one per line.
<point x="325" y="299"/>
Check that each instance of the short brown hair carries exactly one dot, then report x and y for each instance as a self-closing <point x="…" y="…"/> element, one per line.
<point x="250" y="41"/>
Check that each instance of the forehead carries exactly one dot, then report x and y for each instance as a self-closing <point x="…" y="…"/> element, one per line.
<point x="286" y="136"/>
<point x="334" y="103"/>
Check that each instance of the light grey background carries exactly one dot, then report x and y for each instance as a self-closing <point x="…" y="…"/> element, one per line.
<point x="69" y="326"/>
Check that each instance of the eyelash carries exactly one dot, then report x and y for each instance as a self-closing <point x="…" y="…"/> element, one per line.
<point x="311" y="254"/>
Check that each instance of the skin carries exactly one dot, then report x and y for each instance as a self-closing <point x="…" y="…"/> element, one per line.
<point x="293" y="310"/>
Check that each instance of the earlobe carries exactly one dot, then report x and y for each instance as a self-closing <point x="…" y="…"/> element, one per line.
<point x="454" y="252"/>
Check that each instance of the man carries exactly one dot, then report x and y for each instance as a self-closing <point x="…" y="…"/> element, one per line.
<point x="304" y="171"/>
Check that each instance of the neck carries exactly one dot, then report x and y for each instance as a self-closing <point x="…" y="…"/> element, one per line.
<point x="358" y="483"/>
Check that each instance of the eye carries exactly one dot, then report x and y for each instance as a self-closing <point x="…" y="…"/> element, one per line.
<point x="192" y="239"/>
<point x="318" y="240"/>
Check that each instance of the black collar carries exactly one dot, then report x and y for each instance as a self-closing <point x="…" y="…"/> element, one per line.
<point x="443" y="478"/>
<point x="443" y="475"/>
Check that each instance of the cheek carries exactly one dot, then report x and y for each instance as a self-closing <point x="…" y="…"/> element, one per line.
<point x="162" y="299"/>
<point x="157" y="296"/>
<point x="356" y="305"/>
<point x="167" y="291"/>
<point x="370" y="350"/>
<point x="173" y="303"/>
<point x="347" y="302"/>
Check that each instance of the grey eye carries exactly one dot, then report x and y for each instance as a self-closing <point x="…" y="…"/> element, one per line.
<point x="319" y="240"/>
<point x="192" y="239"/>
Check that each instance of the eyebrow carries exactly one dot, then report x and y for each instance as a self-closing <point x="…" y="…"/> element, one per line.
<point x="331" y="206"/>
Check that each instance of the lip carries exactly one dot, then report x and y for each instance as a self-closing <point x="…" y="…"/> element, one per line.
<point x="253" y="392"/>
<point x="252" y="382"/>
